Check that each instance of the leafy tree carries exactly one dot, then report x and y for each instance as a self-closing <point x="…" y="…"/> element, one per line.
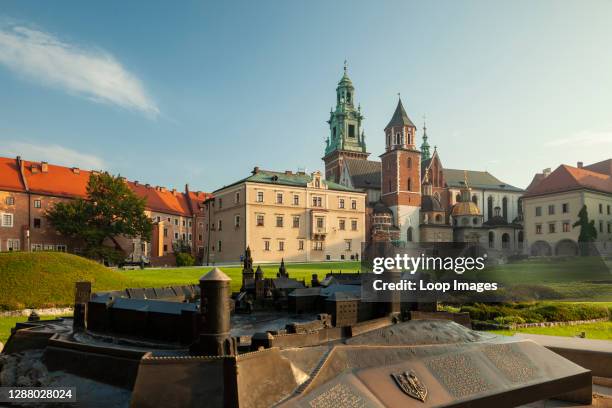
<point x="588" y="232"/>
<point x="110" y="210"/>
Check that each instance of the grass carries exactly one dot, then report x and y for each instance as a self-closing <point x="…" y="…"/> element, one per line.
<point x="600" y="331"/>
<point x="179" y="276"/>
<point x="46" y="279"/>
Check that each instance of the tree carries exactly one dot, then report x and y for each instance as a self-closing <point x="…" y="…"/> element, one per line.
<point x="111" y="209"/>
<point x="588" y="232"/>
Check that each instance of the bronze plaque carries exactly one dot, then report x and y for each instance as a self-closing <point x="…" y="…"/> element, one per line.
<point x="512" y="362"/>
<point x="459" y="374"/>
<point x="83" y="292"/>
<point x="340" y="395"/>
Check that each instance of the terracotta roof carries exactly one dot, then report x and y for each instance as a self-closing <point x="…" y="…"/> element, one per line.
<point x="603" y="167"/>
<point x="72" y="182"/>
<point x="534" y="182"/>
<point x="9" y="175"/>
<point x="566" y="178"/>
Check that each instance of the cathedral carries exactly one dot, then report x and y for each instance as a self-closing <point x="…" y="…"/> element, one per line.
<point x="411" y="197"/>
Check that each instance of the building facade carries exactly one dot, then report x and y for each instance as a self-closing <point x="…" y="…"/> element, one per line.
<point x="284" y="215"/>
<point x="28" y="189"/>
<point x="552" y="204"/>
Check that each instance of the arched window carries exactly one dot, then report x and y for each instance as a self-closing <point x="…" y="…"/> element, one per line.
<point x="505" y="208"/>
<point x="348" y="97"/>
<point x="409" y="184"/>
<point x="409" y="162"/>
<point x="458" y="197"/>
<point x="520" y="239"/>
<point x="489" y="207"/>
<point x="397" y="138"/>
<point x="388" y="139"/>
<point x="440" y="179"/>
<point x="475" y="199"/>
<point x="389" y="187"/>
<point x="475" y="220"/>
<point x="491" y="239"/>
<point x="409" y="234"/>
<point x="506" y="241"/>
<point x="438" y="218"/>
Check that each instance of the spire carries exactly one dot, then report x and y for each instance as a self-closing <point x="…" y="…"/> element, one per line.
<point x="400" y="117"/>
<point x="425" y="155"/>
<point x="465" y="190"/>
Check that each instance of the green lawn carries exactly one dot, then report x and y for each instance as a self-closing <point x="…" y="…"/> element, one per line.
<point x="191" y="275"/>
<point x="602" y="330"/>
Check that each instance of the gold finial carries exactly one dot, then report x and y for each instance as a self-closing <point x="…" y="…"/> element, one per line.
<point x="465" y="178"/>
<point x="427" y="175"/>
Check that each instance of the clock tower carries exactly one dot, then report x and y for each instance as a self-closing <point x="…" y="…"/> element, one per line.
<point x="346" y="138"/>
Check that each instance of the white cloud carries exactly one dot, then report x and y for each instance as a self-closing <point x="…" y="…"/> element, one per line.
<point x="585" y="138"/>
<point x="54" y="154"/>
<point x="92" y="73"/>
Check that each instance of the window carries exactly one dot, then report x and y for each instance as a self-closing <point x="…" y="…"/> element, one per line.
<point x="320" y="222"/>
<point x="165" y="248"/>
<point x="183" y="236"/>
<point x="296" y="199"/>
<point x="409" y="234"/>
<point x="351" y="131"/>
<point x="538" y="228"/>
<point x="551" y="209"/>
<point x="489" y="207"/>
<point x="601" y="208"/>
<point x="237" y="221"/>
<point x="218" y="246"/>
<point x="189" y="223"/>
<point x="608" y="209"/>
<point x="176" y="235"/>
<point x="354" y="225"/>
<point x="165" y="232"/>
<point x="279" y="198"/>
<point x="491" y="239"/>
<point x="183" y="222"/>
<point x="565" y="208"/>
<point x="260" y="196"/>
<point x="341" y="203"/>
<point x="538" y="211"/>
<point x="300" y="245"/>
<point x="609" y="228"/>
<point x="7" y="220"/>
<point x="342" y="225"/>
<point x="37" y="204"/>
<point x="316" y="201"/>
<point x="176" y="222"/>
<point x="12" y="245"/>
<point x="348" y="244"/>
<point x="260" y="220"/>
<point x="566" y="226"/>
<point x="409" y="184"/>
<point x="10" y="200"/>
<point x="36" y="222"/>
<point x="266" y="245"/>
<point x="551" y="228"/>
<point x="600" y="226"/>
<point x="279" y="220"/>
<point x="220" y="203"/>
<point x="61" y="248"/>
<point x="318" y="245"/>
<point x="281" y="245"/>
<point x="354" y="204"/>
<point x="237" y="197"/>
<point x="409" y="162"/>
<point x="475" y="199"/>
<point x="505" y="208"/>
<point x="168" y="219"/>
<point x="296" y="221"/>
<point x="189" y="237"/>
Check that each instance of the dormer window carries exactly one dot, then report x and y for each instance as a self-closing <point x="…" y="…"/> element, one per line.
<point x="348" y="97"/>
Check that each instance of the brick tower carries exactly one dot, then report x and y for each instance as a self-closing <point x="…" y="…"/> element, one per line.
<point x="401" y="174"/>
<point x="346" y="139"/>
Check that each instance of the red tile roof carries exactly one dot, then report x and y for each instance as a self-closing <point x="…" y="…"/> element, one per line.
<point x="603" y="167"/>
<point x="9" y="175"/>
<point x="71" y="182"/>
<point x="566" y="178"/>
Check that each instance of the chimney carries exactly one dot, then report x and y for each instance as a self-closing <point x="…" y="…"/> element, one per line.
<point x="255" y="170"/>
<point x="187" y="188"/>
<point x="288" y="172"/>
<point x="135" y="182"/>
<point x="546" y="172"/>
<point x="580" y="164"/>
<point x="34" y="169"/>
<point x="44" y="167"/>
<point x="147" y="185"/>
<point x="76" y="170"/>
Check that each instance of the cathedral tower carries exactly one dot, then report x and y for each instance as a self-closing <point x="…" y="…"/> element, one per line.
<point x="401" y="174"/>
<point x="346" y="139"/>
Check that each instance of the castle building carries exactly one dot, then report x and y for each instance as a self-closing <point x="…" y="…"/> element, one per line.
<point x="297" y="217"/>
<point x="553" y="201"/>
<point x="28" y="189"/>
<point x="410" y="194"/>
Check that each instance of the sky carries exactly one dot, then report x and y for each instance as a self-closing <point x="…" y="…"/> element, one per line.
<point x="200" y="92"/>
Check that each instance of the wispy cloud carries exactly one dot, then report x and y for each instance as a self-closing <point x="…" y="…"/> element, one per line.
<point x="585" y="138"/>
<point x="92" y="73"/>
<point x="55" y="154"/>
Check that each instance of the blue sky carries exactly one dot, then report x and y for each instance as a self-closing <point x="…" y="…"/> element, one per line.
<point x="200" y="92"/>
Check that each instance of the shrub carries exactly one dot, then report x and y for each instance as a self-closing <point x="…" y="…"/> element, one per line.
<point x="184" y="259"/>
<point x="508" y="320"/>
